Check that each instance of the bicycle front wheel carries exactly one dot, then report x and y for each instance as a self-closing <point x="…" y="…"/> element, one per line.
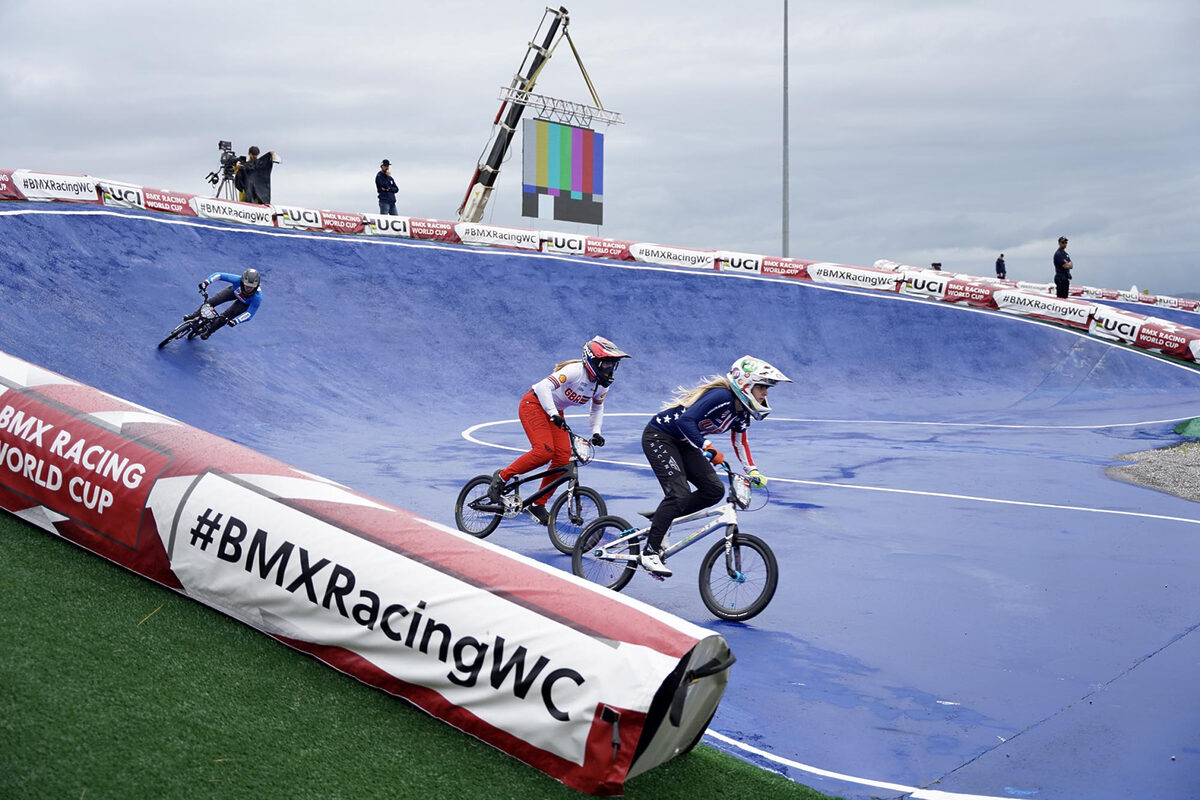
<point x="467" y="515"/>
<point x="570" y="513"/>
<point x="179" y="331"/>
<point x="614" y="565"/>
<point x="741" y="586"/>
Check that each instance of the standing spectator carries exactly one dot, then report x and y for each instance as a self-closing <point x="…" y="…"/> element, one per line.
<point x="258" y="176"/>
<point x="1062" y="268"/>
<point x="386" y="186"/>
<point x="1001" y="270"/>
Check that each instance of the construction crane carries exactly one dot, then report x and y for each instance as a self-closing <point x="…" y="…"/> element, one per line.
<point x="513" y="100"/>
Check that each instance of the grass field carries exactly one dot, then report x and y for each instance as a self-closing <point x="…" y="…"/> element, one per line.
<point x="114" y="687"/>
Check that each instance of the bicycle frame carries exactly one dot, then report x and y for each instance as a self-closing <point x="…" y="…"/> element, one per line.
<point x="568" y="473"/>
<point x="725" y="514"/>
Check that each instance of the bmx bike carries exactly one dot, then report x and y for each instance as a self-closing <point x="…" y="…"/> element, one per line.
<point x="738" y="575"/>
<point x="570" y="513"/>
<point x="206" y="322"/>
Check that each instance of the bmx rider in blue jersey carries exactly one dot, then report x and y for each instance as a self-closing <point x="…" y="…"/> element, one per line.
<point x="245" y="292"/>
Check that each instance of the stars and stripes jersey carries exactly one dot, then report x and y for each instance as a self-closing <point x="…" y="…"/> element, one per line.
<point x="570" y="386"/>
<point x="715" y="412"/>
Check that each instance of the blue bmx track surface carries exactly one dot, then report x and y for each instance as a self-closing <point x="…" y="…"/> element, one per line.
<point x="968" y="605"/>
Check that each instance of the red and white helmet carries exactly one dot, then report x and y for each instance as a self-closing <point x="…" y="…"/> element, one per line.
<point x="600" y="359"/>
<point x="748" y="372"/>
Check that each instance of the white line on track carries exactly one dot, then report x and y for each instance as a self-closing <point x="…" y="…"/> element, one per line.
<point x="469" y="435"/>
<point x="914" y="792"/>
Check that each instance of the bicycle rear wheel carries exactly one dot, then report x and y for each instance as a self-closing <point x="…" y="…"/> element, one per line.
<point x="179" y="331"/>
<point x="471" y="519"/>
<point x="742" y="587"/>
<point x="586" y="559"/>
<point x="570" y="513"/>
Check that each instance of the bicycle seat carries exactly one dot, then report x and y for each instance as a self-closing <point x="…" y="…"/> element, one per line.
<point x="648" y="514"/>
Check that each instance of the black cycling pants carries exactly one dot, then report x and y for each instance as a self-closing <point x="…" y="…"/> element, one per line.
<point x="224" y="296"/>
<point x="676" y="462"/>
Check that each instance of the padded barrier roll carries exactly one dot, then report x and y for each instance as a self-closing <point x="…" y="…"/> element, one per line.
<point x="586" y="685"/>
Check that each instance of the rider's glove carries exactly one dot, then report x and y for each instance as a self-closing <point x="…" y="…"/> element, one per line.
<point x="558" y="420"/>
<point x="203" y="285"/>
<point x="597" y="440"/>
<point x="757" y="479"/>
<point x="232" y="322"/>
<point x="713" y="455"/>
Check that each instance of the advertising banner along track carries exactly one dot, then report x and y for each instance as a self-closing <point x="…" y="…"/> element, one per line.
<point x="583" y="684"/>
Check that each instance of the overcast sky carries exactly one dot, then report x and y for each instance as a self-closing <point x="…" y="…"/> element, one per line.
<point x="930" y="130"/>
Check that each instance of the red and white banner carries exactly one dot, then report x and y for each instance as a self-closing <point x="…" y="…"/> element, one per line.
<point x="600" y="247"/>
<point x="8" y="187"/>
<point x="53" y="187"/>
<point x="859" y="277"/>
<point x="166" y="200"/>
<point x="232" y="211"/>
<point x="559" y="673"/>
<point x="120" y="195"/>
<point x="386" y="225"/>
<point x="1161" y="336"/>
<point x="431" y="229"/>
<point x="497" y="236"/>
<point x="570" y="244"/>
<point x="343" y="221"/>
<point x="1036" y="288"/>
<point x="1117" y="324"/>
<point x="1076" y="313"/>
<point x="786" y="267"/>
<point x="573" y="244"/>
<point x="298" y="218"/>
<point x="743" y="263"/>
<point x="673" y="256"/>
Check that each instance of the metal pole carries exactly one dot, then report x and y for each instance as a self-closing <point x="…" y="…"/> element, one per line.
<point x="786" y="232"/>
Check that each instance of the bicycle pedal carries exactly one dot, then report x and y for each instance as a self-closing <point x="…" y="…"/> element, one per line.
<point x="655" y="575"/>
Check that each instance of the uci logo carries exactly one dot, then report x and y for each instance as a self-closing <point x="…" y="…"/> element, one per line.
<point x="1116" y="326"/>
<point x="926" y="285"/>
<point x="124" y="194"/>
<point x="395" y="225"/>
<point x="303" y="216"/>
<point x="567" y="244"/>
<point x="743" y="264"/>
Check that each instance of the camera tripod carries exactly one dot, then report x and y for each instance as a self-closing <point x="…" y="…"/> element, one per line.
<point x="226" y="189"/>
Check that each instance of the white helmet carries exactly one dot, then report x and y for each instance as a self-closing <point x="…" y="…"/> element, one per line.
<point x="748" y="372"/>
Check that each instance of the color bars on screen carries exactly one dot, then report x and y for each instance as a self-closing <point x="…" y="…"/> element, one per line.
<point x="567" y="164"/>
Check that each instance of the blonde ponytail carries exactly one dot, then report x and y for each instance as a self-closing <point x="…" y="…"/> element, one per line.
<point x="686" y="397"/>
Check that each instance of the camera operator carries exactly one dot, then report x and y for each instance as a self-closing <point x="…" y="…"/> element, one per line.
<point x="258" y="175"/>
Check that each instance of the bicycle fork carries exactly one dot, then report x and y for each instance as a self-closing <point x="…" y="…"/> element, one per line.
<point x="733" y="556"/>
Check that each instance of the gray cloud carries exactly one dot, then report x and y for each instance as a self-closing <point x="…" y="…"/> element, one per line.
<point x="919" y="131"/>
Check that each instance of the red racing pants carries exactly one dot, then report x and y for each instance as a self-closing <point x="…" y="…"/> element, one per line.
<point x="549" y="444"/>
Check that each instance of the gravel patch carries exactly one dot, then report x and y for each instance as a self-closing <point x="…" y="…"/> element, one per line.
<point x="1174" y="470"/>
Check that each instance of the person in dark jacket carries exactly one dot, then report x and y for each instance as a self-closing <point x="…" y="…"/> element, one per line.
<point x="1062" y="269"/>
<point x="258" y="176"/>
<point x="385" y="185"/>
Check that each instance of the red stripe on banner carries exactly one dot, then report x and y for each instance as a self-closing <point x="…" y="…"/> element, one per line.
<point x="601" y="774"/>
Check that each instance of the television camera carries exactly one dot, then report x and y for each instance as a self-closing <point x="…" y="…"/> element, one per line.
<point x="229" y="161"/>
<point x="222" y="176"/>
